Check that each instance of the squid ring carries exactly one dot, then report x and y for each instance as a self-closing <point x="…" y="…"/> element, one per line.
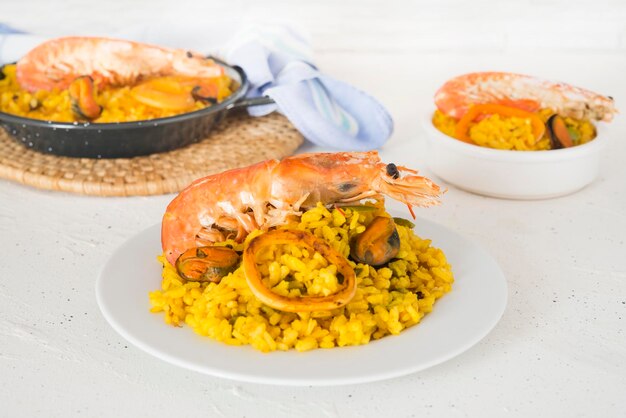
<point x="298" y="303"/>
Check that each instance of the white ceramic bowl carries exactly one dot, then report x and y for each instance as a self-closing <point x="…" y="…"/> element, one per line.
<point x="513" y="174"/>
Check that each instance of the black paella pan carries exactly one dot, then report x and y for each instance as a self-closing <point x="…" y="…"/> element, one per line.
<point x="129" y="139"/>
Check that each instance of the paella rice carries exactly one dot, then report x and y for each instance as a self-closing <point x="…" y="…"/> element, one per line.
<point x="513" y="133"/>
<point x="388" y="299"/>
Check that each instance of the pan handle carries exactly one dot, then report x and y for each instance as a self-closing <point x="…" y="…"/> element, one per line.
<point x="252" y="101"/>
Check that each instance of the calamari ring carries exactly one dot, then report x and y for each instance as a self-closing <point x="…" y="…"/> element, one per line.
<point x="298" y="303"/>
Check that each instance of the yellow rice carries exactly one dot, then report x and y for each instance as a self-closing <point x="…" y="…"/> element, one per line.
<point x="117" y="102"/>
<point x="388" y="299"/>
<point x="513" y="133"/>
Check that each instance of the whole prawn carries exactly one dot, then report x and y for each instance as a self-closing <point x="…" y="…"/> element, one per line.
<point x="457" y="95"/>
<point x="235" y="202"/>
<point x="56" y="63"/>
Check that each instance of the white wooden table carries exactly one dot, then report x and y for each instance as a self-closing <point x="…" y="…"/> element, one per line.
<point x="560" y="348"/>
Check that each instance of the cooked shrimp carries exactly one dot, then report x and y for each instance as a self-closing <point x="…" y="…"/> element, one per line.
<point x="456" y="96"/>
<point x="56" y="63"/>
<point x="235" y="202"/>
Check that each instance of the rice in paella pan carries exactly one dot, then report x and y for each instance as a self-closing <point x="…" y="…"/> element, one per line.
<point x="101" y="80"/>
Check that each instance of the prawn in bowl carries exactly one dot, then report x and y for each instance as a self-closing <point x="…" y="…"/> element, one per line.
<point x="518" y="112"/>
<point x="516" y="136"/>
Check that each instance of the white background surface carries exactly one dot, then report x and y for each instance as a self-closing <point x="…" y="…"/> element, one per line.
<point x="560" y="348"/>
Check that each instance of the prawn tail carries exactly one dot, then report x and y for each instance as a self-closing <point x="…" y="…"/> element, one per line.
<point x="177" y="236"/>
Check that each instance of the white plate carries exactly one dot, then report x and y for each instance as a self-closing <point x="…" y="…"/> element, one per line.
<point x="459" y="320"/>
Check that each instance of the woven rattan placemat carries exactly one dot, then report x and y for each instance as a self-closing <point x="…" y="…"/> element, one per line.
<point x="238" y="141"/>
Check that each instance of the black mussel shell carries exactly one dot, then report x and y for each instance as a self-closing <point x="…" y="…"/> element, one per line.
<point x="559" y="135"/>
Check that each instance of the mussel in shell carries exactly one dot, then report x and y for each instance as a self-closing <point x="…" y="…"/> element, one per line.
<point x="378" y="244"/>
<point x="206" y="94"/>
<point x="83" y="98"/>
<point x="207" y="264"/>
<point x="559" y="134"/>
